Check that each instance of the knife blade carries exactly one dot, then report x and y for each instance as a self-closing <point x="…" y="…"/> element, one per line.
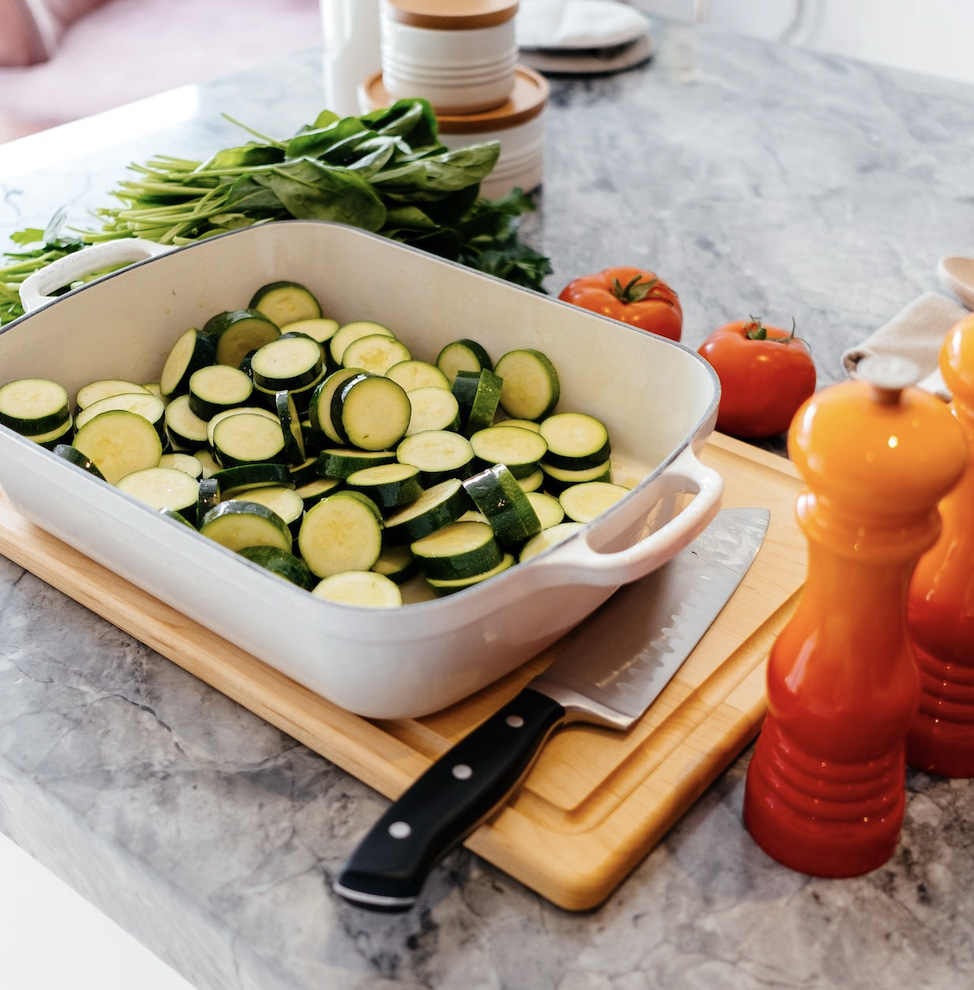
<point x="622" y="657"/>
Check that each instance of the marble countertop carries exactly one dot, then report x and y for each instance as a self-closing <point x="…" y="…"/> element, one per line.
<point x="758" y="179"/>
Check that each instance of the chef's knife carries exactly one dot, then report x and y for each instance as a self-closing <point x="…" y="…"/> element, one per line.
<point x="621" y="659"/>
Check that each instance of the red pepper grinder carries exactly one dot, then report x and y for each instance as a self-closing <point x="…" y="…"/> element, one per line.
<point x="940" y="603"/>
<point x="825" y="790"/>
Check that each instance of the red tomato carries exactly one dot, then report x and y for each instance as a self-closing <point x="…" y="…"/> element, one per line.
<point x="631" y="295"/>
<point x="765" y="374"/>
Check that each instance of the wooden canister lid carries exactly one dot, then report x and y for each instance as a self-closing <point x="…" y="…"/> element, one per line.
<point x="451" y="15"/>
<point x="528" y="98"/>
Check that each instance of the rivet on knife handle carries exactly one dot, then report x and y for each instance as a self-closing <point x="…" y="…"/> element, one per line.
<point x="388" y="869"/>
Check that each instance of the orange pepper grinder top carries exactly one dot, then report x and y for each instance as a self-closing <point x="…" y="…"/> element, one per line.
<point x="940" y="603"/>
<point x="825" y="789"/>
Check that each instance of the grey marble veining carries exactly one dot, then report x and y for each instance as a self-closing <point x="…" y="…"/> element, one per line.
<point x="758" y="180"/>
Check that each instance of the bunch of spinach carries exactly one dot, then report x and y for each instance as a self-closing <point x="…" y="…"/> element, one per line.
<point x="385" y="172"/>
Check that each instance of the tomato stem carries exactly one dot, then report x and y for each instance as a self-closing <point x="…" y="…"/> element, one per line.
<point x="756" y="330"/>
<point x="637" y="289"/>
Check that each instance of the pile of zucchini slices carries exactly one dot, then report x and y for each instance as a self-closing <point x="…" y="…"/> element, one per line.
<point x="331" y="456"/>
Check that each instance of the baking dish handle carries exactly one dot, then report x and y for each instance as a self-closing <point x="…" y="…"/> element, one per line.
<point x="578" y="561"/>
<point x="38" y="288"/>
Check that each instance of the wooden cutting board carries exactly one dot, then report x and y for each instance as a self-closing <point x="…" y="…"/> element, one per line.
<point x="596" y="801"/>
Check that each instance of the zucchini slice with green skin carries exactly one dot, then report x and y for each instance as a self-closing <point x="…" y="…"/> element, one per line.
<point x="532" y="482"/>
<point x="284" y="302"/>
<point x="248" y="438"/>
<point x="208" y="496"/>
<point x="319" y="409"/>
<point x="348" y="332"/>
<point x="212" y="423"/>
<point x="432" y="408"/>
<point x="370" y="412"/>
<point x="312" y="492"/>
<point x="238" y="332"/>
<point x="291" y="362"/>
<point x="521" y="450"/>
<point x="205" y="456"/>
<point x="463" y="355"/>
<point x="531" y="387"/>
<point x="238" y="523"/>
<point x="340" y="462"/>
<point x="576" y="441"/>
<point x="340" y="533"/>
<point x="34" y="406"/>
<point x="188" y="463"/>
<point x="439" y="455"/>
<point x="549" y="537"/>
<point x="413" y="373"/>
<point x="119" y="442"/>
<point x="321" y="329"/>
<point x="74" y="456"/>
<point x="290" y="420"/>
<point x="558" y="479"/>
<point x="304" y="472"/>
<point x="585" y="501"/>
<point x="50" y="440"/>
<point x="549" y="509"/>
<point x="285" y="501"/>
<point x="302" y="396"/>
<point x="185" y="430"/>
<point x="496" y="493"/>
<point x="388" y="485"/>
<point x="478" y="394"/>
<point x="436" y="507"/>
<point x="176" y="517"/>
<point x="233" y="481"/>
<point x="367" y="589"/>
<point x="163" y="488"/>
<point x="218" y="387"/>
<point x="281" y="563"/>
<point x="524" y="424"/>
<point x="193" y="350"/>
<point x="396" y="563"/>
<point x="145" y="404"/>
<point x="459" y="550"/>
<point x="448" y="586"/>
<point x="375" y="352"/>
<point x="103" y="388"/>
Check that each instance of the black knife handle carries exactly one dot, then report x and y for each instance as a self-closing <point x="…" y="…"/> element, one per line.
<point x="387" y="870"/>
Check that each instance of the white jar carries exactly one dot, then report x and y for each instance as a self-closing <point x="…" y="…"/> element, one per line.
<point x="461" y="59"/>
<point x="518" y="125"/>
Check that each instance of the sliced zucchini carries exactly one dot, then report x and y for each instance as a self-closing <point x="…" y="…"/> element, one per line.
<point x="290" y="420"/>
<point x="193" y="350"/>
<point x="185" y="430"/>
<point x="458" y="550"/>
<point x="548" y="538"/>
<point x="463" y="355"/>
<point x="436" y="507"/>
<point x="218" y="387"/>
<point x="284" y="302"/>
<point x="145" y="404"/>
<point x="314" y="491"/>
<point x="119" y="442"/>
<point x="50" y="440"/>
<point x="208" y="496"/>
<point x="285" y="501"/>
<point x="585" y="501"/>
<point x="531" y="388"/>
<point x="237" y="523"/>
<point x="176" y="517"/>
<point x="432" y="408"/>
<point x="448" y="586"/>
<point x="221" y="416"/>
<point x="548" y="508"/>
<point x="439" y="454"/>
<point x="234" y="481"/>
<point x="558" y="479"/>
<point x="103" y="388"/>
<point x="532" y="482"/>
<point x="319" y="409"/>
<point x="521" y="450"/>
<point x="238" y="332"/>
<point x="248" y="438"/>
<point x="478" y="395"/>
<point x="187" y="463"/>
<point x="282" y="563"/>
<point x="375" y="352"/>
<point x="321" y="329"/>
<point x="525" y="424"/>
<point x="340" y="462"/>
<point x="154" y="387"/>
<point x="396" y="563"/>
<point x="290" y="362"/>
<point x="33" y="406"/>
<point x="304" y="472"/>
<point x="496" y="493"/>
<point x="348" y="332"/>
<point x="163" y="488"/>
<point x="340" y="533"/>
<point x="370" y="412"/>
<point x="205" y="456"/>
<point x="368" y="589"/>
<point x="388" y="485"/>
<point x="74" y="456"/>
<point x="576" y="441"/>
<point x="413" y="373"/>
<point x="301" y="396"/>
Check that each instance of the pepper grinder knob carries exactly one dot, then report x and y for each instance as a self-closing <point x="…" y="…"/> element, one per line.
<point x="888" y="375"/>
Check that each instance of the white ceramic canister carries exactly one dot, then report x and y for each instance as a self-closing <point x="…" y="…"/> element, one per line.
<point x="518" y="125"/>
<point x="460" y="55"/>
<point x="350" y="35"/>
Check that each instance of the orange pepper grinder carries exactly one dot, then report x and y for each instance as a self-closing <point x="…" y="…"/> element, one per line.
<point x="940" y="603"/>
<point x="825" y="789"/>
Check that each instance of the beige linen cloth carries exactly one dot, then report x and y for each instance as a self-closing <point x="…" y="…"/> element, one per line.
<point x="916" y="333"/>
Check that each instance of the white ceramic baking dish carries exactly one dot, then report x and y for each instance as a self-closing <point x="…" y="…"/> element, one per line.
<point x="659" y="400"/>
